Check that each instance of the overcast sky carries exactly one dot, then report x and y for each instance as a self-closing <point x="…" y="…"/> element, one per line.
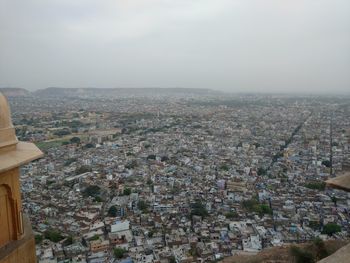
<point x="232" y="45"/>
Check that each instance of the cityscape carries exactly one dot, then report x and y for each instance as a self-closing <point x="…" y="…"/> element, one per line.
<point x="184" y="176"/>
<point x="187" y="131"/>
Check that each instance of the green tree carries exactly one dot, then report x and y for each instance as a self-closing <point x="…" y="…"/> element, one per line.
<point x="164" y="158"/>
<point x="149" y="181"/>
<point x="331" y="228"/>
<point x="172" y="259"/>
<point x="334" y="200"/>
<point x="326" y="163"/>
<point x="151" y="157"/>
<point x="316" y="185"/>
<point x="98" y="199"/>
<point x="119" y="252"/>
<point x="89" y="145"/>
<point x="224" y="167"/>
<point x="253" y="205"/>
<point x="95" y="237"/>
<point x="92" y="190"/>
<point x="301" y="256"/>
<point x="231" y="215"/>
<point x="198" y="209"/>
<point x="261" y="171"/>
<point x="142" y="205"/>
<point x="150" y="233"/>
<point x="250" y="204"/>
<point x="75" y="140"/>
<point x="320" y="247"/>
<point x="38" y="239"/>
<point x="62" y="132"/>
<point x="112" y="211"/>
<point x="127" y="191"/>
<point x="53" y="235"/>
<point x="264" y="209"/>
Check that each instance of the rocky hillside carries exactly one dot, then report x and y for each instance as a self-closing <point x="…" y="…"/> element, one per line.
<point x="15" y="92"/>
<point x="310" y="252"/>
<point x="122" y="92"/>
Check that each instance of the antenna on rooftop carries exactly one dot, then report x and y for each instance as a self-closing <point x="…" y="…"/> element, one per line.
<point x="273" y="215"/>
<point x="331" y="147"/>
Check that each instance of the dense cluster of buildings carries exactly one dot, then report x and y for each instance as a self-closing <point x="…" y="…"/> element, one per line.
<point x="181" y="180"/>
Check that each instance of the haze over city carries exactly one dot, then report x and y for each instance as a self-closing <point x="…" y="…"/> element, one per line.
<point x="183" y="131"/>
<point x="229" y="45"/>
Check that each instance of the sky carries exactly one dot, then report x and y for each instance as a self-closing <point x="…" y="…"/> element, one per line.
<point x="230" y="45"/>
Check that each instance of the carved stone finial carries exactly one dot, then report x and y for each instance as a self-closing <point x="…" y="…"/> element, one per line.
<point x="7" y="131"/>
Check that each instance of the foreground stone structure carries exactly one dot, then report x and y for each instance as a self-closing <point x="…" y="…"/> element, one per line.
<point x="341" y="182"/>
<point x="17" y="242"/>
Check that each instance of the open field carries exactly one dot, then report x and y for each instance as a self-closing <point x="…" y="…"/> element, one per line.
<point x="45" y="145"/>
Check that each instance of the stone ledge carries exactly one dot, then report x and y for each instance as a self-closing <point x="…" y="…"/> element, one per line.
<point x="342" y="255"/>
<point x="14" y="246"/>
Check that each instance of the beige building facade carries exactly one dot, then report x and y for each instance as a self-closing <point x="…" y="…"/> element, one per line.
<point x="17" y="244"/>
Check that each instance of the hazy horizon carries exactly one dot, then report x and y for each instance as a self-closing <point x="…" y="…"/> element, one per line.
<point x="229" y="45"/>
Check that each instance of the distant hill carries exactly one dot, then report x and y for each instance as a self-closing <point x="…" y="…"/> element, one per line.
<point x="122" y="92"/>
<point x="54" y="92"/>
<point x="15" y="92"/>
